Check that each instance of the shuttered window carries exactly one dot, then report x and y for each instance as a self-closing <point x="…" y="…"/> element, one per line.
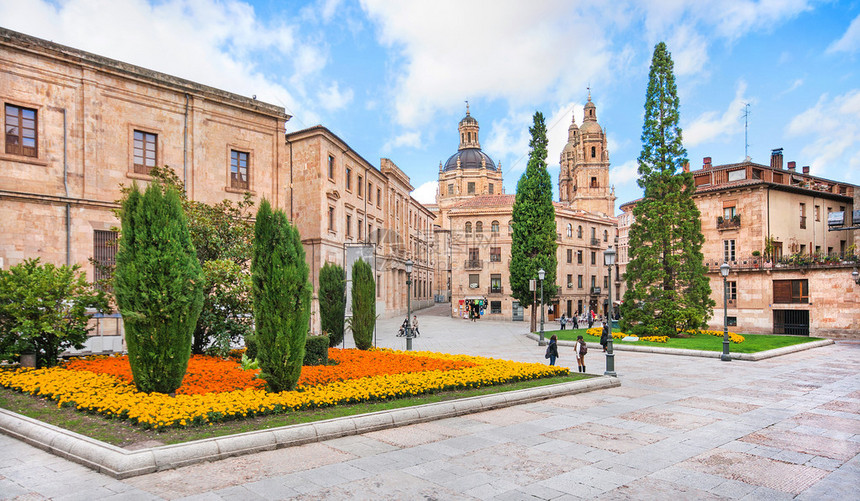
<point x="791" y="291"/>
<point x="104" y="254"/>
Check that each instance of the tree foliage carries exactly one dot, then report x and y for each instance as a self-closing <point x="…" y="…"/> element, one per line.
<point x="667" y="286"/>
<point x="43" y="310"/>
<point x="282" y="298"/>
<point x="332" y="301"/>
<point x="158" y="285"/>
<point x="363" y="318"/>
<point x="533" y="244"/>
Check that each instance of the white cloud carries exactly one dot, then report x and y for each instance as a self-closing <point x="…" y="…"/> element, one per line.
<point x="411" y="139"/>
<point x="626" y="173"/>
<point x="509" y="137"/>
<point x="794" y="86"/>
<point x="850" y="41"/>
<point x="689" y="51"/>
<point x="712" y="124"/>
<point x="426" y="193"/>
<point x="333" y="98"/>
<point x="832" y="129"/>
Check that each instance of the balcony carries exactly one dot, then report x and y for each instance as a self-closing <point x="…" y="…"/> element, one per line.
<point x="792" y="262"/>
<point x="473" y="264"/>
<point x="595" y="291"/>
<point x="494" y="290"/>
<point x="595" y="242"/>
<point x="731" y="223"/>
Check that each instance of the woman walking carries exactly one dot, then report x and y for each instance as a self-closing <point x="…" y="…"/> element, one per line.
<point x="552" y="349"/>
<point x="580" y="349"/>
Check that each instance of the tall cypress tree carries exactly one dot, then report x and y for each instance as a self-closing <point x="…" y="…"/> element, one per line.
<point x="282" y="298"/>
<point x="533" y="244"/>
<point x="667" y="286"/>
<point x="159" y="287"/>
<point x="363" y="304"/>
<point x="332" y="302"/>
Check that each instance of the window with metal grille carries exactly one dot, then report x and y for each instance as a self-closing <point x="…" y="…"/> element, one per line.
<point x="104" y="254"/>
<point x="21" y="131"/>
<point x="495" y="306"/>
<point x="145" y="151"/>
<point x="791" y="291"/>
<point x="239" y="177"/>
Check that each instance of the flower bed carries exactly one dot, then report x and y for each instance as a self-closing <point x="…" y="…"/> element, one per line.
<point x="383" y="375"/>
<point x="735" y="338"/>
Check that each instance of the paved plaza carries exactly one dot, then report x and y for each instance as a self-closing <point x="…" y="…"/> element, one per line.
<point x="677" y="428"/>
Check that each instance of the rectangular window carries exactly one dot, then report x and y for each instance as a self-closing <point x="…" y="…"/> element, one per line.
<point x="593" y="257"/>
<point x="450" y="188"/>
<point x="21" y="131"/>
<point x="360" y="228"/>
<point x="579" y="281"/>
<point x="378" y="285"/>
<point x="370" y="234"/>
<point x="145" y="150"/>
<point x="239" y="170"/>
<point x="728" y="212"/>
<point x="593" y="281"/>
<point x="731" y="321"/>
<point x="348" y="179"/>
<point x="817" y="213"/>
<point x="737" y="175"/>
<point x="490" y="189"/>
<point x="360" y="187"/>
<point x="474" y="254"/>
<point x="606" y="282"/>
<point x="474" y="280"/>
<point x="331" y="218"/>
<point x="370" y="192"/>
<point x="496" y="283"/>
<point x="470" y="188"/>
<point x="104" y="254"/>
<point x="728" y="250"/>
<point x="579" y="257"/>
<point x="732" y="290"/>
<point x="496" y="254"/>
<point x="802" y="216"/>
<point x="378" y="197"/>
<point x="570" y="280"/>
<point x="348" y="225"/>
<point x="495" y="307"/>
<point x="331" y="167"/>
<point x="791" y="291"/>
<point x="569" y="255"/>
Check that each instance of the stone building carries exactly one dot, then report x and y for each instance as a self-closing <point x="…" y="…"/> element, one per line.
<point x="473" y="219"/>
<point x="789" y="273"/>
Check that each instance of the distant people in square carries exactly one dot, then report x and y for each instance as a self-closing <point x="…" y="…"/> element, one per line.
<point x="590" y="316"/>
<point x="604" y="336"/>
<point x="575" y="322"/>
<point x="415" y="325"/>
<point x="580" y="349"/>
<point x="563" y="321"/>
<point x="552" y="349"/>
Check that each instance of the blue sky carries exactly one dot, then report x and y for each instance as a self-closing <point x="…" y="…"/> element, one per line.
<point x="391" y="77"/>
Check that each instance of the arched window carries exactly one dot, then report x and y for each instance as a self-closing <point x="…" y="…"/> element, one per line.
<point x="495" y="227"/>
<point x="468" y="228"/>
<point x="605" y="236"/>
<point x="479" y="227"/>
<point x="569" y="230"/>
<point x="510" y="227"/>
<point x="579" y="231"/>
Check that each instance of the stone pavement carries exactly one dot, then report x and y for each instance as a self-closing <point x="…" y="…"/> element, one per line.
<point x="678" y="427"/>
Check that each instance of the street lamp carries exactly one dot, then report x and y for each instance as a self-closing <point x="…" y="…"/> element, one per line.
<point x="409" y="336"/>
<point x="609" y="260"/>
<point x="855" y="276"/>
<point x="541" y="276"/>
<point x="724" y="271"/>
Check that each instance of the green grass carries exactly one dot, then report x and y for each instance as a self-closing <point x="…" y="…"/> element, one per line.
<point x="123" y="434"/>
<point x="753" y="343"/>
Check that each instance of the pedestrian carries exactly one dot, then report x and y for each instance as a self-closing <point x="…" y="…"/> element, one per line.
<point x="415" y="325"/>
<point x="580" y="349"/>
<point x="590" y="317"/>
<point x="604" y="337"/>
<point x="575" y="322"/>
<point x="552" y="350"/>
<point x="563" y="321"/>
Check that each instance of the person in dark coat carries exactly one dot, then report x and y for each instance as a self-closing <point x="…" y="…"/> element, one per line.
<point x="604" y="337"/>
<point x="552" y="349"/>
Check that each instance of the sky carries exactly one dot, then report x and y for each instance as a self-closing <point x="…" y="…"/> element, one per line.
<point x="391" y="77"/>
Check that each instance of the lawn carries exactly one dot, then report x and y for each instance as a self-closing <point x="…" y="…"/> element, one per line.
<point x="753" y="343"/>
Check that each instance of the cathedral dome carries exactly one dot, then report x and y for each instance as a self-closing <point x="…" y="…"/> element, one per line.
<point x="590" y="126"/>
<point x="470" y="158"/>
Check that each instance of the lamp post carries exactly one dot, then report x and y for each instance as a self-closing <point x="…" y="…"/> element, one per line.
<point x="609" y="260"/>
<point x="541" y="276"/>
<point x="855" y="276"/>
<point x="409" y="264"/>
<point x="724" y="271"/>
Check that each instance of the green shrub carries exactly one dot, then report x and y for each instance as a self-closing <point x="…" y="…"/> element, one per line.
<point x="332" y="301"/>
<point x="158" y="286"/>
<point x="363" y="304"/>
<point x="281" y="298"/>
<point x="316" y="350"/>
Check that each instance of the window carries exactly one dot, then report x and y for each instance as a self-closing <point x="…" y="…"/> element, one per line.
<point x="593" y="257"/>
<point x="593" y="281"/>
<point x="21" y="131"/>
<point x="470" y="188"/>
<point x="474" y="280"/>
<point x="378" y="285"/>
<point x="331" y="167"/>
<point x="802" y="216"/>
<point x="731" y="321"/>
<point x="145" y="149"/>
<point x="495" y="307"/>
<point x="737" y="175"/>
<point x="594" y="182"/>
<point x="348" y="225"/>
<point x="791" y="291"/>
<point x="593" y="234"/>
<point x="579" y="231"/>
<point x="348" y="179"/>
<point x="370" y="192"/>
<point x="479" y="227"/>
<point x="450" y="188"/>
<point x="496" y="283"/>
<point x="378" y="197"/>
<point x="331" y="218"/>
<point x="817" y="212"/>
<point x="728" y="250"/>
<point x="605" y="236"/>
<point x="579" y="257"/>
<point x="370" y="234"/>
<point x="104" y="254"/>
<point x="606" y="282"/>
<point x="579" y="281"/>
<point x="593" y="153"/>
<point x="728" y="213"/>
<point x="494" y="227"/>
<point x="239" y="170"/>
<point x="360" y="187"/>
<point x="569" y="230"/>
<point x="510" y="227"/>
<point x="570" y="280"/>
<point x="732" y="290"/>
<point x="496" y="254"/>
<point x="474" y="254"/>
<point x="468" y="228"/>
<point x="360" y="224"/>
<point x="490" y="189"/>
<point x="569" y="255"/>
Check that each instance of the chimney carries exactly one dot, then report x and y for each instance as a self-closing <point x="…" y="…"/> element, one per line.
<point x="776" y="158"/>
<point x="706" y="163"/>
<point x="792" y="166"/>
<point x="806" y="169"/>
<point x="686" y="166"/>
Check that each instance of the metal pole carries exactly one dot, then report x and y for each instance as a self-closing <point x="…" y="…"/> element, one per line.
<point x="610" y="355"/>
<point x="542" y="340"/>
<point x="409" y="312"/>
<point x="725" y="356"/>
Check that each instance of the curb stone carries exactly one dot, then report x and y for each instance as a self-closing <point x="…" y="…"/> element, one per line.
<point x="121" y="463"/>
<point x="750" y="357"/>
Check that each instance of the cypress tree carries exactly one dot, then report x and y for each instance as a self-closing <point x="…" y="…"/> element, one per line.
<point x="282" y="298"/>
<point x="533" y="243"/>
<point x="667" y="288"/>
<point x="363" y="304"/>
<point x="158" y="287"/>
<point x="332" y="301"/>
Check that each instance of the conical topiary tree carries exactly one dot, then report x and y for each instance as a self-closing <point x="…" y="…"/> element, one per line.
<point x="282" y="298"/>
<point x="158" y="287"/>
<point x="363" y="304"/>
<point x="332" y="301"/>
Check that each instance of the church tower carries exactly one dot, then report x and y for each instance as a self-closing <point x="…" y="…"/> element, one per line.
<point x="583" y="181"/>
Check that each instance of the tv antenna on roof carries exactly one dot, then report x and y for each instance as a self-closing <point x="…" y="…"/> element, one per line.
<point x="746" y="116"/>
